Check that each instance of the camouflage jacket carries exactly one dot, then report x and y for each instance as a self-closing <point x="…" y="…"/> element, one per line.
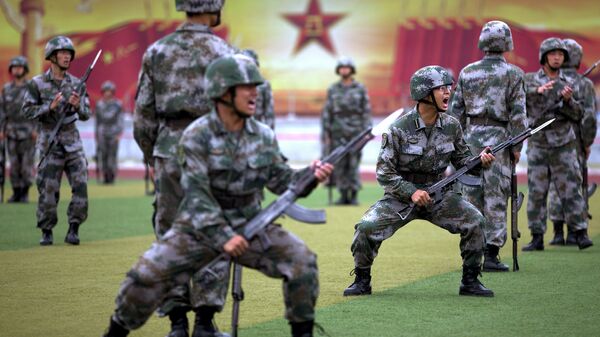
<point x="264" y="105"/>
<point x="41" y="92"/>
<point x="218" y="166"/>
<point x="109" y="118"/>
<point x="170" y="91"/>
<point x="587" y="127"/>
<point x="542" y="107"/>
<point x="347" y="110"/>
<point x="13" y="122"/>
<point x="406" y="149"/>
<point x="494" y="89"/>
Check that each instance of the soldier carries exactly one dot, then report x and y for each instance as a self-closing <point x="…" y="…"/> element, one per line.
<point x="18" y="131"/>
<point x="46" y="95"/>
<point x="347" y="112"/>
<point x="109" y="125"/>
<point x="264" y="102"/>
<point x="552" y="154"/>
<point x="489" y="102"/>
<point x="414" y="155"/>
<point x="227" y="159"/>
<point x="585" y="132"/>
<point x="170" y="96"/>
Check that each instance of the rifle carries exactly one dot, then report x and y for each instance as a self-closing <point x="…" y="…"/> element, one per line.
<point x="516" y="200"/>
<point x="237" y="293"/>
<point x="66" y="109"/>
<point x="436" y="190"/>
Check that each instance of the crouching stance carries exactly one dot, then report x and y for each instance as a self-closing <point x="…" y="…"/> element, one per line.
<point x="414" y="155"/>
<point x="226" y="160"/>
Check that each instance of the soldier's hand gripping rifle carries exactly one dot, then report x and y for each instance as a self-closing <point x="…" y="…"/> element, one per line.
<point x="516" y="200"/>
<point x="65" y="111"/>
<point x="436" y="190"/>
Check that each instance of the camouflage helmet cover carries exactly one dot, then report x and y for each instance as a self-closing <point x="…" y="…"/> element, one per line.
<point x="345" y="61"/>
<point x="199" y="6"/>
<point x="575" y="53"/>
<point x="19" y="61"/>
<point x="550" y="44"/>
<point x="230" y="71"/>
<point x="252" y="54"/>
<point x="426" y="79"/>
<point x="108" y="85"/>
<point x="59" y="43"/>
<point x="495" y="37"/>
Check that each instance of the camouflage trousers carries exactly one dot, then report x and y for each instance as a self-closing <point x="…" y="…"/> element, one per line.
<point x="491" y="198"/>
<point x="205" y="290"/>
<point x="555" y="208"/>
<point x="346" y="172"/>
<point x="48" y="180"/>
<point x="452" y="213"/>
<point x="558" y="167"/>
<point x="173" y="259"/>
<point x="108" y="148"/>
<point x="21" y="154"/>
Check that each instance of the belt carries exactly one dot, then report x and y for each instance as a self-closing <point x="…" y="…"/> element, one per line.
<point x="485" y="121"/>
<point x="422" y="178"/>
<point x="235" y="201"/>
<point x="178" y="123"/>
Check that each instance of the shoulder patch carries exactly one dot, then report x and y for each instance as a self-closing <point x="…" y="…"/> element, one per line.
<point x="384" y="140"/>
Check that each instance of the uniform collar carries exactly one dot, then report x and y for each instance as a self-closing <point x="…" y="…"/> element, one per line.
<point x="49" y="77"/>
<point x="195" y="27"/>
<point x="494" y="57"/>
<point x="219" y="128"/>
<point x="542" y="74"/>
<point x="420" y="124"/>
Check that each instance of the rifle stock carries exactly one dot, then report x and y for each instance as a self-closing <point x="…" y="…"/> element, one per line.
<point x="514" y="211"/>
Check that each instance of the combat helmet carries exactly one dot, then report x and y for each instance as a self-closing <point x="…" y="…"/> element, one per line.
<point x="19" y="61"/>
<point x="575" y="53"/>
<point x="424" y="80"/>
<point x="252" y="54"/>
<point x="199" y="6"/>
<point x="108" y="85"/>
<point x="495" y="37"/>
<point x="229" y="71"/>
<point x="550" y="44"/>
<point x="345" y="61"/>
<point x="59" y="43"/>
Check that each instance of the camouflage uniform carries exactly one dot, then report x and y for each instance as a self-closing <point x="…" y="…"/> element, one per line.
<point x="414" y="156"/>
<point x="585" y="130"/>
<point x="19" y="132"/>
<point x="347" y="112"/>
<point x="223" y="174"/>
<point x="109" y="126"/>
<point x="552" y="154"/>
<point x="67" y="155"/>
<point x="489" y="102"/>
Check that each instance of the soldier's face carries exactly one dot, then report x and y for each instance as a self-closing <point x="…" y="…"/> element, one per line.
<point x="17" y="71"/>
<point x="108" y="94"/>
<point x="245" y="99"/>
<point x="345" y="71"/>
<point x="63" y="58"/>
<point x="555" y="59"/>
<point x="442" y="96"/>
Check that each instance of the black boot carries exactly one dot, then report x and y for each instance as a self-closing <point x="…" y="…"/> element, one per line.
<point x="361" y="284"/>
<point x="73" y="234"/>
<point x="16" y="195"/>
<point x="558" y="239"/>
<point x="179" y="323"/>
<point x="537" y="243"/>
<point x="302" y="329"/>
<point x="352" y="200"/>
<point x="571" y="238"/>
<point x="24" y="194"/>
<point x="46" y="237"/>
<point x="471" y="286"/>
<point x="491" y="261"/>
<point x="115" y="330"/>
<point x="343" y="200"/>
<point x="583" y="241"/>
<point x="203" y="324"/>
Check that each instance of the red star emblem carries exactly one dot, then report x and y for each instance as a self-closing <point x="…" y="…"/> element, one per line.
<point x="314" y="26"/>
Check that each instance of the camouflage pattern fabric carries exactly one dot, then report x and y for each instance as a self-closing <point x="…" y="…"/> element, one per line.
<point x="405" y="150"/>
<point x="219" y="167"/>
<point x="67" y="155"/>
<point x="59" y="43"/>
<point x="426" y="79"/>
<point x="347" y="112"/>
<point x="199" y="6"/>
<point x="265" y="113"/>
<point x="491" y="89"/>
<point x="109" y="126"/>
<point x="170" y="94"/>
<point x="552" y="154"/>
<point x="19" y="133"/>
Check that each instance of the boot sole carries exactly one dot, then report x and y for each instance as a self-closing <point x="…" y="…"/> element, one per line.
<point x="461" y="293"/>
<point x="585" y="246"/>
<point x="361" y="294"/>
<point x="493" y="270"/>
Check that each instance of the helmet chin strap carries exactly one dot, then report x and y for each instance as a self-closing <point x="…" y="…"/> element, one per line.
<point x="432" y="103"/>
<point x="232" y="104"/>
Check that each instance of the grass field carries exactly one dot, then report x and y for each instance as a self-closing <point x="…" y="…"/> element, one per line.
<point x="63" y="290"/>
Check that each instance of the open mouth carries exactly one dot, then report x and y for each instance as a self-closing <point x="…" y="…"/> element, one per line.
<point x="252" y="104"/>
<point x="445" y="102"/>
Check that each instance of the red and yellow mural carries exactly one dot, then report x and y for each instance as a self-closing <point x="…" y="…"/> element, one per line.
<point x="298" y="41"/>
